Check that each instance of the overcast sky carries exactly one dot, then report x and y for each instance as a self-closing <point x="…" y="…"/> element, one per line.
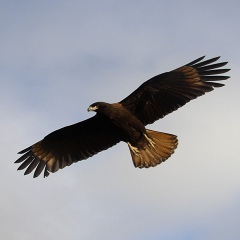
<point x="58" y="57"/>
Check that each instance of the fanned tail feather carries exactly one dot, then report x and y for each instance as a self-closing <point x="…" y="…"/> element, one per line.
<point x="160" y="146"/>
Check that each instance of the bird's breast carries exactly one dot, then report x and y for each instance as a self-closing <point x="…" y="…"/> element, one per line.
<point x="130" y="125"/>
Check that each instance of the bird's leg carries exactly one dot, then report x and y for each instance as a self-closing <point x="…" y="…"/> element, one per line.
<point x="151" y="143"/>
<point x="134" y="149"/>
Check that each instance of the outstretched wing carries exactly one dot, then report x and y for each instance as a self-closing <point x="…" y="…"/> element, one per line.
<point x="67" y="145"/>
<point x="167" y="92"/>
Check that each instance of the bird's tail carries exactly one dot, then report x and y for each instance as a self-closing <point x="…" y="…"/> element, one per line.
<point x="159" y="147"/>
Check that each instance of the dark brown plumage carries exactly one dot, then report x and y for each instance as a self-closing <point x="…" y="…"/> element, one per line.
<point x="126" y="121"/>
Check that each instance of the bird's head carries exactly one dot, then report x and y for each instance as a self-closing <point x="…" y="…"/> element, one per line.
<point x="98" y="107"/>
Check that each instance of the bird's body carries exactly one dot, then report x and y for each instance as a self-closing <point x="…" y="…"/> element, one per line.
<point x="132" y="128"/>
<point x="126" y="121"/>
<point x="147" y="148"/>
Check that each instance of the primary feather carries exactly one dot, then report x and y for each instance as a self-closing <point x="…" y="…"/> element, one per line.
<point x="167" y="92"/>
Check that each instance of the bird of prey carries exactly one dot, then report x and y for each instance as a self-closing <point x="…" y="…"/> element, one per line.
<point x="126" y="121"/>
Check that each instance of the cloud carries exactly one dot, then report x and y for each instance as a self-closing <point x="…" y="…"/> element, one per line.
<point x="58" y="58"/>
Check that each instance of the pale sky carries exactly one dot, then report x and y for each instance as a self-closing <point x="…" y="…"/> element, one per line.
<point x="58" y="57"/>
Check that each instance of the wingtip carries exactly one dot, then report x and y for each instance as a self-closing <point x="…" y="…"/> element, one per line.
<point x="196" y="61"/>
<point x="46" y="173"/>
<point x="26" y="173"/>
<point x="215" y="58"/>
<point x="35" y="176"/>
<point x="24" y="150"/>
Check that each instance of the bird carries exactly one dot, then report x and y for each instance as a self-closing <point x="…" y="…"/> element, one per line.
<point x="126" y="120"/>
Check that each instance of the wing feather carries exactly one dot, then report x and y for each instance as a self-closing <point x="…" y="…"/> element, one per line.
<point x="67" y="145"/>
<point x="169" y="91"/>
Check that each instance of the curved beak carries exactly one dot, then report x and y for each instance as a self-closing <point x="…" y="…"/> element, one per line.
<point x="92" y="108"/>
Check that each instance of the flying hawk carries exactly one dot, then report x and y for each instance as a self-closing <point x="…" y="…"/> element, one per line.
<point x="126" y="121"/>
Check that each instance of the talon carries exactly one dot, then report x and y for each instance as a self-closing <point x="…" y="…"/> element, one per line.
<point x="151" y="143"/>
<point x="134" y="149"/>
